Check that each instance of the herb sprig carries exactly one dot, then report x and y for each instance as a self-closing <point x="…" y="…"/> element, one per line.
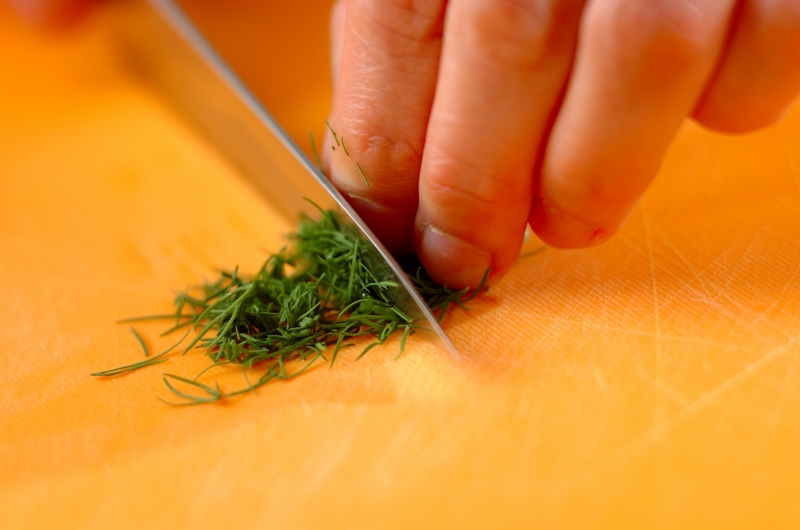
<point x="309" y="300"/>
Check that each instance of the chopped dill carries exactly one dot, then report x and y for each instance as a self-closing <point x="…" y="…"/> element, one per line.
<point x="141" y="341"/>
<point x="333" y="147"/>
<point x="363" y="176"/>
<point x="307" y="302"/>
<point x="315" y="152"/>
<point x="335" y="138"/>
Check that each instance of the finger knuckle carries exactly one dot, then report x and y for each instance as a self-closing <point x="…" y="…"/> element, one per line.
<point x="391" y="164"/>
<point x="598" y="198"/>
<point x="408" y="20"/>
<point x="404" y="158"/>
<point x="394" y="152"/>
<point x="667" y="33"/>
<point x="467" y="204"/>
<point x="520" y="34"/>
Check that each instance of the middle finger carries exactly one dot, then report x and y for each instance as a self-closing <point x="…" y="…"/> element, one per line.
<point x="504" y="64"/>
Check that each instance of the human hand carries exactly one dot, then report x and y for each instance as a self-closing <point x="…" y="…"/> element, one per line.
<point x="471" y="118"/>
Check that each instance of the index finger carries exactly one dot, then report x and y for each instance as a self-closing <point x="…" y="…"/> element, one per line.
<point x="389" y="63"/>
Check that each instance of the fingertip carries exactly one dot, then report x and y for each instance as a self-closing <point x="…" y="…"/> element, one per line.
<point x="756" y="79"/>
<point x="451" y="261"/>
<point x="392" y="227"/>
<point x="561" y="230"/>
<point x="744" y="121"/>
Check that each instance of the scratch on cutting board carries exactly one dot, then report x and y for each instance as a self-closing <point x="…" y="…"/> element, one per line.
<point x="668" y="390"/>
<point x="647" y="239"/>
<point x="602" y="384"/>
<point x="741" y="263"/>
<point x="321" y="473"/>
<point x="671" y="294"/>
<point x="698" y="277"/>
<point x="789" y="283"/>
<point x="763" y="313"/>
<point x="784" y="391"/>
<point x="790" y="159"/>
<point x="631" y="331"/>
<point x="662" y="428"/>
<point x="717" y="391"/>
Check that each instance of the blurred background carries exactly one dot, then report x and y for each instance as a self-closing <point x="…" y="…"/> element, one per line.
<point x="280" y="50"/>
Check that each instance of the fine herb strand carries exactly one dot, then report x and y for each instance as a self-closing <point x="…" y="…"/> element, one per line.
<point x="532" y="252"/>
<point x="141" y="341"/>
<point x="149" y="317"/>
<point x="406" y="331"/>
<point x="129" y="368"/>
<point x="363" y="176"/>
<point x="336" y="138"/>
<point x="317" y="159"/>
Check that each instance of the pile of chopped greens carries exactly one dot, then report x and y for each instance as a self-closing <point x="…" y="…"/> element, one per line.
<point x="305" y="304"/>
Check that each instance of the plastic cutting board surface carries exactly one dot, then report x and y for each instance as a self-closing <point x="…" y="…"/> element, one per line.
<point x="653" y="382"/>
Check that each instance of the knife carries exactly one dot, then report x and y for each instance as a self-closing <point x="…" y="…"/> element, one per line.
<point x="166" y="46"/>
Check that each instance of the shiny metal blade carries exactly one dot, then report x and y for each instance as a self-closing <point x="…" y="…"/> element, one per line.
<point x="171" y="51"/>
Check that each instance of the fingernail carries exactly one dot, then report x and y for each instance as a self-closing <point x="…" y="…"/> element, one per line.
<point x="561" y="230"/>
<point x="451" y="261"/>
<point x="346" y="173"/>
<point x="393" y="227"/>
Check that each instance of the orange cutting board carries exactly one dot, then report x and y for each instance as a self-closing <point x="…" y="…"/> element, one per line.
<point x="652" y="382"/>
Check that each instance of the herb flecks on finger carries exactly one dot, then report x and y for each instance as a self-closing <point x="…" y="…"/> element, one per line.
<point x="335" y="137"/>
<point x="363" y="176"/>
<point x="314" y="151"/>
<point x="341" y="144"/>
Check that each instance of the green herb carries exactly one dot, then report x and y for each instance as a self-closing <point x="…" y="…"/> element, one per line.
<point x="306" y="301"/>
<point x="343" y="146"/>
<point x="363" y="176"/>
<point x="438" y="297"/>
<point x="141" y="341"/>
<point x="315" y="152"/>
<point x="533" y="252"/>
<point x="148" y="317"/>
<point x="336" y="138"/>
<point x="136" y="366"/>
<point x="129" y="368"/>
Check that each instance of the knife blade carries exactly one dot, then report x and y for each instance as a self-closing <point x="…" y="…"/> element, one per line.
<point x="165" y="45"/>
